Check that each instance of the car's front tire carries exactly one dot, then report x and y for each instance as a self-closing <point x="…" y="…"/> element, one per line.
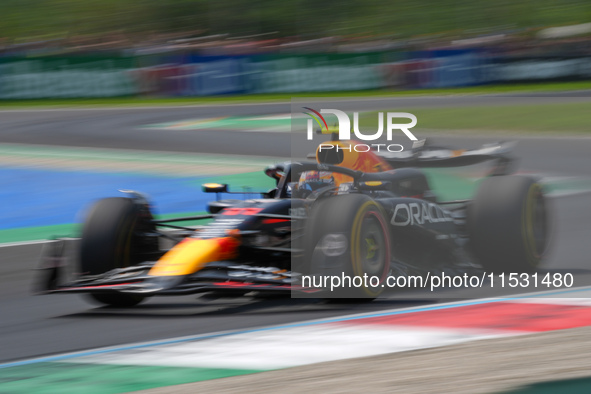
<point x="348" y="236"/>
<point x="112" y="238"/>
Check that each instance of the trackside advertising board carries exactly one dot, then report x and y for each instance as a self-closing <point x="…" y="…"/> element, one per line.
<point x="191" y="75"/>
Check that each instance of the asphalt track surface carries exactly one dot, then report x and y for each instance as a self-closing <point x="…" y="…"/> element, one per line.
<point x="33" y="326"/>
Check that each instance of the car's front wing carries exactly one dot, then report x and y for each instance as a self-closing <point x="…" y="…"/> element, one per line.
<point x="228" y="276"/>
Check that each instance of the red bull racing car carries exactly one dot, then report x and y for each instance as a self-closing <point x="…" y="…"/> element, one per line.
<point x="346" y="212"/>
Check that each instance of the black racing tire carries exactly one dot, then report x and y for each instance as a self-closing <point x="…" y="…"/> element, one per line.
<point x="508" y="224"/>
<point x="348" y="235"/>
<point x="110" y="239"/>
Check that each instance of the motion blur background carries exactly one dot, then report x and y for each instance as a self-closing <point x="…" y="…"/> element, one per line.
<point x="109" y="48"/>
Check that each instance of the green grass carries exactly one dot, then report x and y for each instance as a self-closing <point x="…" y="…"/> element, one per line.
<point x="254" y="98"/>
<point x="561" y="118"/>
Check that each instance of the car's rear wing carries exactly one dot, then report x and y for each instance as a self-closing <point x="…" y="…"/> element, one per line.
<point x="423" y="155"/>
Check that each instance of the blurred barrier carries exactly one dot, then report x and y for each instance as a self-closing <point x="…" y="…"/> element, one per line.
<point x="536" y="69"/>
<point x="315" y="72"/>
<point x="448" y="68"/>
<point x="66" y="77"/>
<point x="211" y="75"/>
<point x="195" y="75"/>
<point x="191" y="75"/>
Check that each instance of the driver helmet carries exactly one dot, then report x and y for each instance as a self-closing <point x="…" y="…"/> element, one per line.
<point x="314" y="180"/>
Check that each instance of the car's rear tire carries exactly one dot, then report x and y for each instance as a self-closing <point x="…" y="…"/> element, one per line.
<point x="348" y="235"/>
<point x="508" y="224"/>
<point x="111" y="238"/>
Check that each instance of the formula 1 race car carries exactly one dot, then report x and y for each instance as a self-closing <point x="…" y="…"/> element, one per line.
<point x="347" y="212"/>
